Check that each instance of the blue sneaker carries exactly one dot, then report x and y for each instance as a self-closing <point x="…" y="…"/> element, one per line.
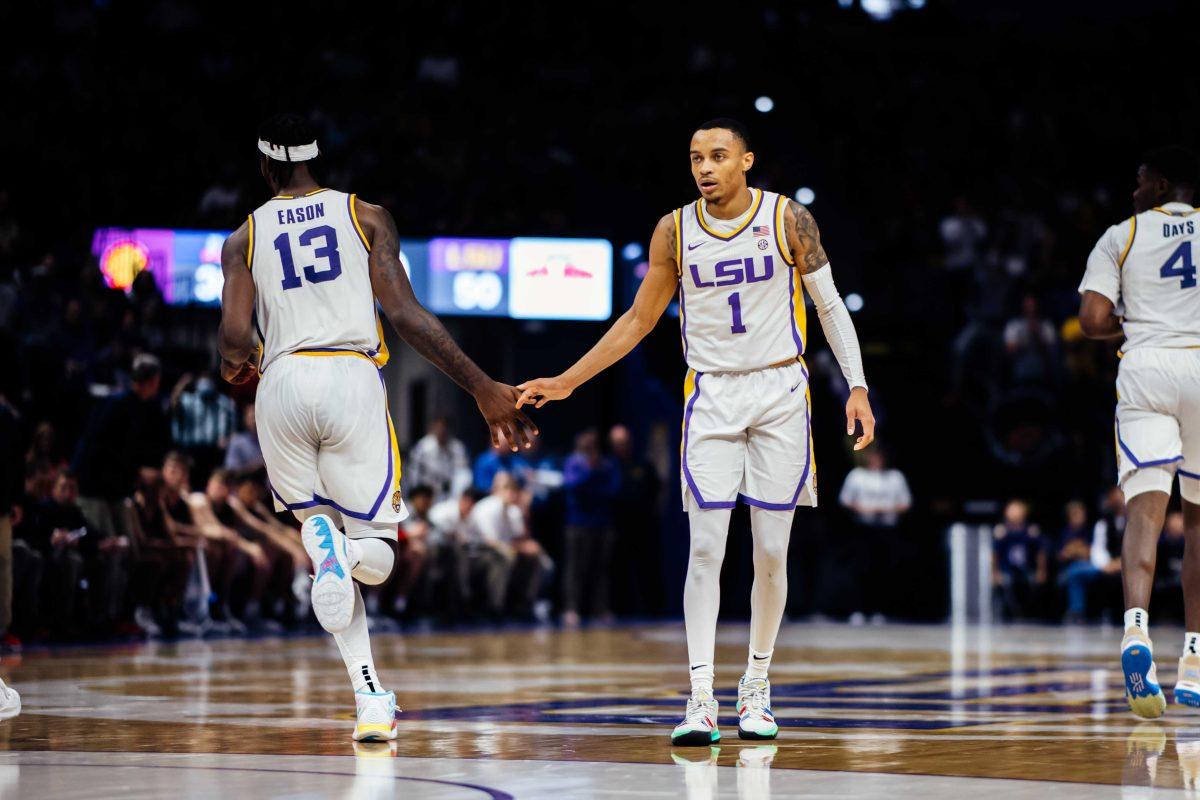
<point x="333" y="588"/>
<point x="1145" y="696"/>
<point x="1187" y="685"/>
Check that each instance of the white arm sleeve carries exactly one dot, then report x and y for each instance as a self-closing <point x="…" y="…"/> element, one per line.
<point x="836" y="322"/>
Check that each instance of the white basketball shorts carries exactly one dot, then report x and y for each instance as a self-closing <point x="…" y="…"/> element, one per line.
<point x="1158" y="421"/>
<point x="746" y="434"/>
<point x="328" y="441"/>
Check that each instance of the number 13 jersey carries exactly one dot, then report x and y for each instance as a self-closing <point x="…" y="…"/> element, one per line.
<point x="1147" y="266"/>
<point x="741" y="307"/>
<point x="308" y="258"/>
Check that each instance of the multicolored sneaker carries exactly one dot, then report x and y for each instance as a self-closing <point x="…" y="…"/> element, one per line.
<point x="1187" y="686"/>
<point x="699" y="726"/>
<point x="755" y="720"/>
<point x="332" y="588"/>
<point x="377" y="714"/>
<point x="1145" y="696"/>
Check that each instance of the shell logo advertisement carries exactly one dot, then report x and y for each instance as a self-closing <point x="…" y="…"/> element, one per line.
<point x="186" y="264"/>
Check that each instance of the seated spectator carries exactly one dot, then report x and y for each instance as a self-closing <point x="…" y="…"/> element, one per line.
<point x="1031" y="343"/>
<point x="500" y="458"/>
<point x="449" y="519"/>
<point x="282" y="545"/>
<point x="439" y="461"/>
<point x="238" y="568"/>
<point x="56" y="529"/>
<point x="165" y="555"/>
<point x="1076" y="569"/>
<point x="591" y="482"/>
<point x="1107" y="536"/>
<point x="1019" y="562"/>
<point x="876" y="497"/>
<point x="412" y="548"/>
<point x="510" y="561"/>
<point x="244" y="453"/>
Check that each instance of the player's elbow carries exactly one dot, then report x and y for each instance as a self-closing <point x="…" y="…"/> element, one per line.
<point x="1093" y="324"/>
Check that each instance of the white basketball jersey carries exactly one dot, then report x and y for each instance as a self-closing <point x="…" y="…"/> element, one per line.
<point x="308" y="257"/>
<point x="741" y="306"/>
<point x="1147" y="267"/>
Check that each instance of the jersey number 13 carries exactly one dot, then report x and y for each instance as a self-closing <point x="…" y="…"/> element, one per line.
<point x="328" y="250"/>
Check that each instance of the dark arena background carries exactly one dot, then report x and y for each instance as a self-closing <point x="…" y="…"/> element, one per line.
<point x="953" y="623"/>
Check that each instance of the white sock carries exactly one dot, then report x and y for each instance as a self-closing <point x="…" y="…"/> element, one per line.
<point x="702" y="589"/>
<point x="758" y="664"/>
<point x="355" y="645"/>
<point x="1137" y="618"/>
<point x="772" y="530"/>
<point x="1191" y="644"/>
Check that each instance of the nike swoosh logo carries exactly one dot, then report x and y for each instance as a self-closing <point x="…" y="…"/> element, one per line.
<point x="794" y="388"/>
<point x="694" y="246"/>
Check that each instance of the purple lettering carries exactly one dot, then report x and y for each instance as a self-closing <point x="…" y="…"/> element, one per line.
<point x="696" y="278"/>
<point x="729" y="273"/>
<point x="752" y="278"/>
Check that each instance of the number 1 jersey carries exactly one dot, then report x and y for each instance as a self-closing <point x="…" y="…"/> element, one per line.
<point x="308" y="258"/>
<point x="741" y="307"/>
<point x="1146" y="266"/>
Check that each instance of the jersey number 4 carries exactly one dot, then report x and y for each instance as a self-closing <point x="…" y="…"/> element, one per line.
<point x="328" y="251"/>
<point x="1187" y="272"/>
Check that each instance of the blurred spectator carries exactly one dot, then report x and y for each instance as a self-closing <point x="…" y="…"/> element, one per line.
<point x="412" y="550"/>
<point x="289" y="586"/>
<point x="1109" y="532"/>
<point x="1019" y="562"/>
<point x="509" y="561"/>
<point x="165" y="555"/>
<point x="1168" y="579"/>
<point x="244" y="453"/>
<point x="127" y="434"/>
<point x="876" y="497"/>
<point x="963" y="234"/>
<point x="10" y="512"/>
<point x="439" y="461"/>
<point x="44" y="449"/>
<point x="637" y="519"/>
<point x="1031" y="343"/>
<point x="57" y="529"/>
<point x="591" y="482"/>
<point x="450" y="521"/>
<point x="1076" y="570"/>
<point x="202" y="420"/>
<point x="500" y="458"/>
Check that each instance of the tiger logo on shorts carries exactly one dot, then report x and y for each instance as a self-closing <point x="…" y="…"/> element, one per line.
<point x="396" y="503"/>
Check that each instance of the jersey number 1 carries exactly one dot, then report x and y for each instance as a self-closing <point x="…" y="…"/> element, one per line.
<point x="327" y="251"/>
<point x="1187" y="272"/>
<point x="735" y="306"/>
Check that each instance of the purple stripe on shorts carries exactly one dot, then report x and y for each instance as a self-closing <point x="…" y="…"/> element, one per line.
<point x="803" y="477"/>
<point x="1155" y="463"/>
<point x="687" y="473"/>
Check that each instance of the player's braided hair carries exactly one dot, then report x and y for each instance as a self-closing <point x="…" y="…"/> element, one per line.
<point x="289" y="130"/>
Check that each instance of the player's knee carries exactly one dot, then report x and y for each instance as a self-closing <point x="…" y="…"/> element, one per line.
<point x="707" y="553"/>
<point x="376" y="563"/>
<point x="771" y="555"/>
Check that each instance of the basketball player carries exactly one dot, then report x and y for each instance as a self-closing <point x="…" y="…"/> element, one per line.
<point x="305" y="271"/>
<point x="1140" y="283"/>
<point x="738" y="257"/>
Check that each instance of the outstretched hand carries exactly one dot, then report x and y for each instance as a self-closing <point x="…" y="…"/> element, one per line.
<point x="498" y="404"/>
<point x="540" y="391"/>
<point x="858" y="408"/>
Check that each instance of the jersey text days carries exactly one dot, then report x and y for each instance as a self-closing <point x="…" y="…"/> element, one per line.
<point x="1178" y="228"/>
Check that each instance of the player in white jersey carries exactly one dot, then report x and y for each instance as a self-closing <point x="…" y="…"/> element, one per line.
<point x="1141" y="284"/>
<point x="738" y="257"/>
<point x="302" y="276"/>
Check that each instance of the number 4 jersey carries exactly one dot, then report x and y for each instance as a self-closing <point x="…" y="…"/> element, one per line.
<point x="1147" y="267"/>
<point x="740" y="303"/>
<point x="308" y="257"/>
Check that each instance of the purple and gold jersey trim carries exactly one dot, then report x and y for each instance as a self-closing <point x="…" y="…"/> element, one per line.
<point x="250" y="244"/>
<point x="780" y="235"/>
<point x="354" y="218"/>
<point x="725" y="237"/>
<point x="1129" y="243"/>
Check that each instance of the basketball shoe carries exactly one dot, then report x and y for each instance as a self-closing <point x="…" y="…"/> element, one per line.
<point x="10" y="702"/>
<point x="377" y="715"/>
<point x="332" y="587"/>
<point x="699" y="726"/>
<point x="1187" y="685"/>
<point x="1145" y="696"/>
<point x="755" y="720"/>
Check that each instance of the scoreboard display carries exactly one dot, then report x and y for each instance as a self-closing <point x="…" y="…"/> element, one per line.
<point x="520" y="278"/>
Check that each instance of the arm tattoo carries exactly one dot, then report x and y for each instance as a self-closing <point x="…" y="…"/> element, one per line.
<point x="810" y="255"/>
<point x="420" y="329"/>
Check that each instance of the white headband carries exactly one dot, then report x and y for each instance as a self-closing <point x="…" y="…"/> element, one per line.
<point x="296" y="152"/>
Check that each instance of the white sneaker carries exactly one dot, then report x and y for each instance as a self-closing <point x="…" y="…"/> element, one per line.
<point x="1187" y="685"/>
<point x="377" y="714"/>
<point x="10" y="702"/>
<point x="699" y="726"/>
<point x="332" y="588"/>
<point x="1145" y="696"/>
<point x="755" y="720"/>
